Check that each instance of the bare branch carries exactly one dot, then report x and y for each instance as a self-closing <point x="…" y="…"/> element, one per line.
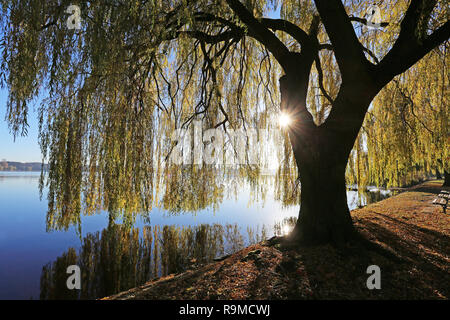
<point x="365" y="22"/>
<point x="347" y="48"/>
<point x="293" y="30"/>
<point x="322" y="88"/>
<point x="326" y="46"/>
<point x="412" y="45"/>
<point x="213" y="39"/>
<point x="371" y="54"/>
<point x="261" y="32"/>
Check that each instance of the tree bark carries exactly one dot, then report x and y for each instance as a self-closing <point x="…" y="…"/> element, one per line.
<point x="324" y="215"/>
<point x="438" y="174"/>
<point x="321" y="159"/>
<point x="446" y="179"/>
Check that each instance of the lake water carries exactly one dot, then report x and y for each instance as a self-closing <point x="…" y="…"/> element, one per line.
<point x="114" y="257"/>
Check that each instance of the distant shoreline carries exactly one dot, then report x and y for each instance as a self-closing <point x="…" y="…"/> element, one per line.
<point x="14" y="166"/>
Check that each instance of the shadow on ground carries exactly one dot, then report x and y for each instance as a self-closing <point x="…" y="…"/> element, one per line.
<point x="407" y="237"/>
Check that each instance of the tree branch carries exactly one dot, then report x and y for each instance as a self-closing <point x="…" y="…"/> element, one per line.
<point x="364" y="21"/>
<point x="410" y="45"/>
<point x="213" y="39"/>
<point x="261" y="33"/>
<point x="347" y="48"/>
<point x="326" y="46"/>
<point x="292" y="29"/>
<point x="320" y="73"/>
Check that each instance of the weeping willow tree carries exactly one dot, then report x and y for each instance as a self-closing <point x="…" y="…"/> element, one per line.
<point x="407" y="130"/>
<point x="136" y="71"/>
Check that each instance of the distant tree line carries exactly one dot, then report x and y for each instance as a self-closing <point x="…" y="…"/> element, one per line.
<point x="21" y="166"/>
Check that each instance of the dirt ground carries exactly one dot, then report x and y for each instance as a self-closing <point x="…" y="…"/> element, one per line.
<point x="410" y="242"/>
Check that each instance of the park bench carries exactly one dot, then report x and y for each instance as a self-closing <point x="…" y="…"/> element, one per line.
<point x="442" y="199"/>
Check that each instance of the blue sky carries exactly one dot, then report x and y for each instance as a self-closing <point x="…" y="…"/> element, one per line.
<point x="24" y="149"/>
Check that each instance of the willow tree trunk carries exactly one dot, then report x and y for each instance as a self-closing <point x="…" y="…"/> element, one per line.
<point x="324" y="215"/>
<point x="438" y="174"/>
<point x="446" y="179"/>
<point x="321" y="153"/>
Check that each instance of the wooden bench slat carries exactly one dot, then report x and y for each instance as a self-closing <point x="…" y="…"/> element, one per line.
<point x="440" y="201"/>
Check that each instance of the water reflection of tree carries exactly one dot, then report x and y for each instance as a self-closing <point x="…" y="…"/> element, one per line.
<point x="184" y="190"/>
<point x="53" y="277"/>
<point x="120" y="258"/>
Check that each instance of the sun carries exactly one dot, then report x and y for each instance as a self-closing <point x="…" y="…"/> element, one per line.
<point x="284" y="120"/>
<point x="286" y="229"/>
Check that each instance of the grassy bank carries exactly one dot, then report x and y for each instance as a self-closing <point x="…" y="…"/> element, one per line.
<point x="412" y="249"/>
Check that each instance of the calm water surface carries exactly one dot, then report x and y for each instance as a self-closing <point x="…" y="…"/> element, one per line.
<point x="114" y="257"/>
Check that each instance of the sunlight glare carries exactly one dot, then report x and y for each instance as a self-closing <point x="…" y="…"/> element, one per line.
<point x="286" y="229"/>
<point x="284" y="120"/>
